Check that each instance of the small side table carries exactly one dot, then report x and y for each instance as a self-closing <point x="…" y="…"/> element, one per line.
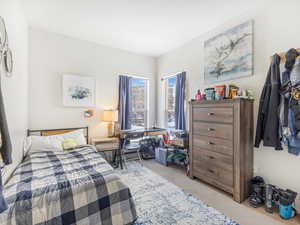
<point x="104" y="145"/>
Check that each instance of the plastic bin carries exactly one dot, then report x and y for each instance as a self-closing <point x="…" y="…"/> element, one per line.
<point x="161" y="155"/>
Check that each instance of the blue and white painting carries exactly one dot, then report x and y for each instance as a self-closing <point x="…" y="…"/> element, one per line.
<point x="78" y="91"/>
<point x="229" y="54"/>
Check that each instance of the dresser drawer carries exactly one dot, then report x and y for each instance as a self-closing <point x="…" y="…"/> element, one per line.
<point x="213" y="159"/>
<point x="213" y="181"/>
<point x="214" y="167"/>
<point x="224" y="131"/>
<point x="216" y="114"/>
<point x="214" y="144"/>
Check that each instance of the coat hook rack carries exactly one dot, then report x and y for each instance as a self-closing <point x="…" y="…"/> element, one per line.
<point x="282" y="56"/>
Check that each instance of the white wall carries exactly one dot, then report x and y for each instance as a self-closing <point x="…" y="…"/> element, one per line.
<point x="15" y="88"/>
<point x="276" y="29"/>
<point x="51" y="55"/>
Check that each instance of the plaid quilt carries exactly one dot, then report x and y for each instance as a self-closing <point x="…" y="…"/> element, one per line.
<point x="67" y="187"/>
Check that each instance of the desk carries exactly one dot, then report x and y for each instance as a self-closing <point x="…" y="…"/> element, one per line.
<point x="146" y="133"/>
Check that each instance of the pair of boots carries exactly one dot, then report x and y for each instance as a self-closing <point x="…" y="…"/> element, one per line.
<point x="257" y="192"/>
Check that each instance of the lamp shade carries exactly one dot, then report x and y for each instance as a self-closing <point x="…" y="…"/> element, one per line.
<point x="110" y="115"/>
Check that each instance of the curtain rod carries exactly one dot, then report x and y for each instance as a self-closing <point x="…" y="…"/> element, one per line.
<point x="167" y="77"/>
<point x="138" y="77"/>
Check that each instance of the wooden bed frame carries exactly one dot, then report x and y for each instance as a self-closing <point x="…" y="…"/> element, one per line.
<point x="48" y="132"/>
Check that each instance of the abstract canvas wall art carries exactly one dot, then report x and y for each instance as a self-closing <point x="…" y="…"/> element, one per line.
<point x="78" y="91"/>
<point x="229" y="55"/>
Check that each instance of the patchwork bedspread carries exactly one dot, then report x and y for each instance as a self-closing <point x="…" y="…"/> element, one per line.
<point x="67" y="187"/>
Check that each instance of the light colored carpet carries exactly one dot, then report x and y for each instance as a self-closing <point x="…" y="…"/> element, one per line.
<point x="159" y="201"/>
<point x="217" y="199"/>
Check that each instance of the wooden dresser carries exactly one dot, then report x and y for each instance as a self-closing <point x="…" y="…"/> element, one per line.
<point x="221" y="144"/>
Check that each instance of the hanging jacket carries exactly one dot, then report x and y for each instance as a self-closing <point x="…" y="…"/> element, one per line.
<point x="290" y="92"/>
<point x="267" y="128"/>
<point x="295" y="73"/>
<point x="294" y="102"/>
<point x="284" y="104"/>
<point x="6" y="147"/>
<point x="290" y="57"/>
<point x="290" y="78"/>
<point x="292" y="141"/>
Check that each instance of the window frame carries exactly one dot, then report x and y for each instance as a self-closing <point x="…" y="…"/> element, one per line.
<point x="166" y="109"/>
<point x="146" y="104"/>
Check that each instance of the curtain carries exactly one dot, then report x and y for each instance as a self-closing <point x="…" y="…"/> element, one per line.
<point x="3" y="204"/>
<point x="124" y="105"/>
<point x="180" y="122"/>
<point x="5" y="147"/>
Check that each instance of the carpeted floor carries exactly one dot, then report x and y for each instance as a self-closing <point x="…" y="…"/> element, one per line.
<point x="158" y="201"/>
<point x="217" y="199"/>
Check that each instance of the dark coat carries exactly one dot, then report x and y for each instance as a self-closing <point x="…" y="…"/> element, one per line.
<point x="267" y="128"/>
<point x="6" y="147"/>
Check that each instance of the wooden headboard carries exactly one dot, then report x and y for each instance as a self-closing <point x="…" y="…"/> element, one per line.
<point x="50" y="132"/>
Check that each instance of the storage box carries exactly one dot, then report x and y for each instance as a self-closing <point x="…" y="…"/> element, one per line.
<point x="161" y="155"/>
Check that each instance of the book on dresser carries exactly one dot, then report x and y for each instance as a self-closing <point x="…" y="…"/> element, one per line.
<point x="221" y="144"/>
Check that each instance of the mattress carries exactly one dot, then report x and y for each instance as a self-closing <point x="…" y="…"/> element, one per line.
<point x="67" y="187"/>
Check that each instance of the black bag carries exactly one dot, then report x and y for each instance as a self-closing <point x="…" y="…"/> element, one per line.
<point x="148" y="148"/>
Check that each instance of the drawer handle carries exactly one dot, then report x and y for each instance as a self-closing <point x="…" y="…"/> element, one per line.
<point x="210" y="129"/>
<point x="211" y="157"/>
<point x="211" y="171"/>
<point x="210" y="143"/>
<point x="210" y="114"/>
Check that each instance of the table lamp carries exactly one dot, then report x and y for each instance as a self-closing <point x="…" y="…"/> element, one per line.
<point x="110" y="116"/>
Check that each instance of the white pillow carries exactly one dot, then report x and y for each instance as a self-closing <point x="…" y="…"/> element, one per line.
<point x="43" y="143"/>
<point x="53" y="142"/>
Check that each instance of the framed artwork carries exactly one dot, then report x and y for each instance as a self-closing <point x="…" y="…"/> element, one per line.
<point x="78" y="91"/>
<point x="229" y="55"/>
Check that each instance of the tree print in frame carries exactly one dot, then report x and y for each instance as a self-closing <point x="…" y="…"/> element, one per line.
<point x="78" y="91"/>
<point x="229" y="55"/>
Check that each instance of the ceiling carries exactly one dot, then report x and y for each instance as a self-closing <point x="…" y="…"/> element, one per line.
<point x="148" y="27"/>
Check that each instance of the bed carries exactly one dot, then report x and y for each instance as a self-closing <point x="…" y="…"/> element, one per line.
<point x="67" y="187"/>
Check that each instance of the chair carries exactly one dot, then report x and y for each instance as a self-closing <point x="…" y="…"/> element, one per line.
<point x="131" y="145"/>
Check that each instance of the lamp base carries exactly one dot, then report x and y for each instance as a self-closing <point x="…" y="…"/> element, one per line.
<point x="110" y="132"/>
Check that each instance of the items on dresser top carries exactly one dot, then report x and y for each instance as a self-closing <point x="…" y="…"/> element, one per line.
<point x="220" y="92"/>
<point x="199" y="96"/>
<point x="221" y="144"/>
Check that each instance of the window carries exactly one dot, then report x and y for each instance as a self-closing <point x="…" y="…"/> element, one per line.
<point x="170" y="86"/>
<point x="139" y="103"/>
